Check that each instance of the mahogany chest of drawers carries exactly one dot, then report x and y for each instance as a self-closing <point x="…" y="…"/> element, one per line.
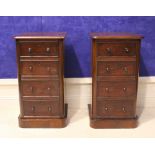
<point x="115" y="69"/>
<point x="40" y="76"/>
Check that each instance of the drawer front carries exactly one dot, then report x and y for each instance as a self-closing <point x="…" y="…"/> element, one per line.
<point x="41" y="108"/>
<point x="116" y="89"/>
<point x="40" y="88"/>
<point x="39" y="49"/>
<point x="39" y="68"/>
<point x="115" y="109"/>
<point x="116" y="68"/>
<point x="116" y="49"/>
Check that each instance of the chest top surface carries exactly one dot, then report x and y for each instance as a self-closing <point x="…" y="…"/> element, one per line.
<point x="115" y="35"/>
<point x="41" y="35"/>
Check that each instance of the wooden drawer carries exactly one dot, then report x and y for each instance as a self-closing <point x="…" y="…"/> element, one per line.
<point x="116" y="89"/>
<point x="116" y="48"/>
<point x="115" y="108"/>
<point x="112" y="68"/>
<point x="41" y="108"/>
<point x="39" y="49"/>
<point x="38" y="88"/>
<point x="39" y="68"/>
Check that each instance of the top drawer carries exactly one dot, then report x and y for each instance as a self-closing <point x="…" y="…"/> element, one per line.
<point x="39" y="48"/>
<point x="116" y="48"/>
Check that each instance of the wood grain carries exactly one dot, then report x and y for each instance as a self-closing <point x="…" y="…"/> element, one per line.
<point x="115" y="69"/>
<point x="40" y="76"/>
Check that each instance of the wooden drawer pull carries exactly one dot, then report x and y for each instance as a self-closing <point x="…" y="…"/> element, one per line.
<point x="126" y="50"/>
<point x="48" y="68"/>
<point x="33" y="108"/>
<point x="48" y="88"/>
<point x="47" y="49"/>
<point x="123" y="109"/>
<point x="49" y="109"/>
<point x="108" y="69"/>
<point x="30" y="50"/>
<point x="106" y="108"/>
<point x="31" y="88"/>
<point x="109" y="51"/>
<point x="107" y="89"/>
<point x="124" y="89"/>
<point x="125" y="69"/>
<point x="30" y="68"/>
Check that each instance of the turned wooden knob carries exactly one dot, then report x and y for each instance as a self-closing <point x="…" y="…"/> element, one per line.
<point x="106" y="108"/>
<point x="123" y="109"/>
<point x="107" y="69"/>
<point x="49" y="109"/>
<point x="109" y="51"/>
<point x="125" y="69"/>
<point x="33" y="108"/>
<point x="107" y="89"/>
<point x="30" y="68"/>
<point x="48" y="68"/>
<point x="126" y="50"/>
<point x="48" y="88"/>
<point x="124" y="89"/>
<point x="47" y="49"/>
<point x="31" y="88"/>
<point x="30" y="50"/>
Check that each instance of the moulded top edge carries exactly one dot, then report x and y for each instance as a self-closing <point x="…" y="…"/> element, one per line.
<point x="41" y="35"/>
<point x="115" y="35"/>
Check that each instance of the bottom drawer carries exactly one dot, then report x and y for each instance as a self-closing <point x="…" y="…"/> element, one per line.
<point x="116" y="109"/>
<point x="41" y="108"/>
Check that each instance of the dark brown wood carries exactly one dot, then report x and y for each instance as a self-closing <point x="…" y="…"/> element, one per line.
<point x="40" y="76"/>
<point x="115" y="69"/>
<point x="115" y="89"/>
<point x="116" y="48"/>
<point x="115" y="35"/>
<point x="39" y="48"/>
<point x="111" y="68"/>
<point x="41" y="108"/>
<point x="41" y="35"/>
<point x="115" y="108"/>
<point x="32" y="68"/>
<point x="39" y="122"/>
<point x="40" y="88"/>
<point x="112" y="123"/>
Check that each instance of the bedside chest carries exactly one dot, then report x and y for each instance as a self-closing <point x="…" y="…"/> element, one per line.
<point x="115" y="69"/>
<point x="40" y="58"/>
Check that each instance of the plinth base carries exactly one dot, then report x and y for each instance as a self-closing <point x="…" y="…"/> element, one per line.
<point x="44" y="122"/>
<point x="98" y="123"/>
